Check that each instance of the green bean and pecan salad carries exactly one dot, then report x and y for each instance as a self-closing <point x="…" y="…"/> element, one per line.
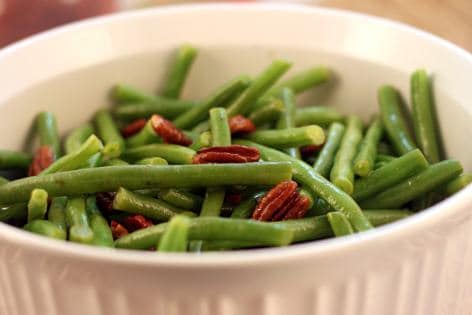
<point x="242" y="168"/>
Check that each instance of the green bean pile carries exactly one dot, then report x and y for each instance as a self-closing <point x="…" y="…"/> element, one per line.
<point x="124" y="180"/>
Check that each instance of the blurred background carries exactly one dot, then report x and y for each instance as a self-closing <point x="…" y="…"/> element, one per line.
<point x="451" y="19"/>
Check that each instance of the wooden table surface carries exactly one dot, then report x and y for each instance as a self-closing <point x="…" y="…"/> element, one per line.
<point x="450" y="19"/>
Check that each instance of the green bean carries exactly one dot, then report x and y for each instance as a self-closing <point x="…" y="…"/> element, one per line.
<point x="339" y="224"/>
<point x="147" y="135"/>
<point x="179" y="71"/>
<point x="384" y="158"/>
<point x="189" y="214"/>
<point x="385" y="148"/>
<point x="152" y="161"/>
<point x="77" y="137"/>
<point x="394" y="121"/>
<point x="102" y="235"/>
<point x="138" y="104"/>
<point x="3" y="180"/>
<point x="268" y="113"/>
<point x="290" y="137"/>
<point x="245" y="209"/>
<point x="77" y="221"/>
<point x="209" y="246"/>
<point x="321" y="206"/>
<point x="77" y="158"/>
<point x="12" y="159"/>
<point x="46" y="228"/>
<point x="317" y="184"/>
<point x="288" y="119"/>
<point x="309" y="229"/>
<point x="390" y="175"/>
<point x="303" y="230"/>
<point x="213" y="202"/>
<point x="181" y="199"/>
<point x="308" y="194"/>
<point x="428" y="180"/>
<point x="122" y="93"/>
<point x="384" y="216"/>
<point x="342" y="173"/>
<point x="425" y="201"/>
<point x="365" y="158"/>
<point x="56" y="213"/>
<point x="175" y="237"/>
<point x="258" y="87"/>
<point x="172" y="153"/>
<point x="302" y="81"/>
<point x="214" y="228"/>
<point x="152" y="208"/>
<point x="306" y="229"/>
<point x="110" y="135"/>
<point x="325" y="160"/>
<point x="424" y="116"/>
<point x="192" y="135"/>
<point x="379" y="165"/>
<point x="203" y="141"/>
<point x="317" y="115"/>
<point x="114" y="162"/>
<point x="16" y="211"/>
<point x="46" y="127"/>
<point x="221" y="135"/>
<point x="458" y="184"/>
<point x="75" y="212"/>
<point x="166" y="108"/>
<point x="148" y="192"/>
<point x="202" y="127"/>
<point x="220" y="97"/>
<point x="37" y="204"/>
<point x="91" y="207"/>
<point x="143" y="238"/>
<point x="95" y="160"/>
<point x="195" y="246"/>
<point x="135" y="177"/>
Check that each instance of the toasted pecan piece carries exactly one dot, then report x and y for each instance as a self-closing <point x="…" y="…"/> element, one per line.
<point x="282" y="202"/>
<point x="169" y="132"/>
<point x="43" y="157"/>
<point x="227" y="154"/>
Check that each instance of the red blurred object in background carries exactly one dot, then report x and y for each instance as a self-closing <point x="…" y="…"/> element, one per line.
<point x="21" y="18"/>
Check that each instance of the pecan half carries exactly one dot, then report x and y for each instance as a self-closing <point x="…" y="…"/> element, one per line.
<point x="282" y="202"/>
<point x="309" y="150"/>
<point x="136" y="222"/>
<point x="117" y="230"/>
<point x="168" y="132"/>
<point x="241" y="125"/>
<point x="133" y="127"/>
<point x="298" y="209"/>
<point x="227" y="154"/>
<point x="105" y="201"/>
<point x="43" y="157"/>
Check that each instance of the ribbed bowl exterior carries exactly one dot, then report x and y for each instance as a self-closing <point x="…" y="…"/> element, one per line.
<point x="422" y="275"/>
<point x="420" y="266"/>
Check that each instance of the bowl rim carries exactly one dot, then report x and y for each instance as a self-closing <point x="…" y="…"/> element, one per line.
<point x="236" y="259"/>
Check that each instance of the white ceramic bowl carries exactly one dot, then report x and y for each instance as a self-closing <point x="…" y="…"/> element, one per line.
<point x="421" y="265"/>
